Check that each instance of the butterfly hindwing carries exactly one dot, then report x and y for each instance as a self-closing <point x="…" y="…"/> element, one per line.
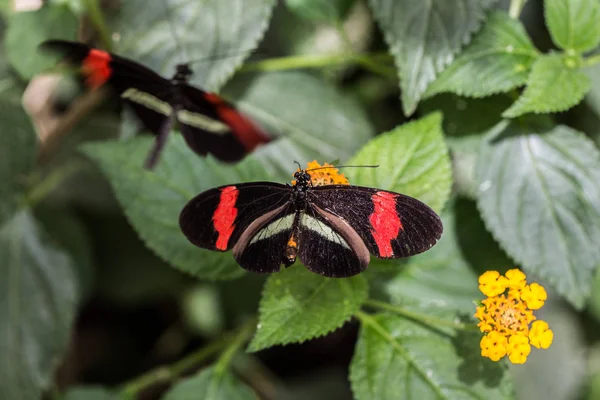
<point x="391" y="225"/>
<point x="329" y="246"/>
<point x="261" y="247"/>
<point x="212" y="125"/>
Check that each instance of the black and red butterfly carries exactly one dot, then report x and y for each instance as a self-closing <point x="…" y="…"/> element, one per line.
<point x="333" y="229"/>
<point x="208" y="123"/>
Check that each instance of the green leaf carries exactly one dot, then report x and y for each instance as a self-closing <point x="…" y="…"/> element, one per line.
<point x="152" y="200"/>
<point x="298" y="305"/>
<point x="539" y="194"/>
<point x="210" y="384"/>
<point x="37" y="306"/>
<point x="424" y="37"/>
<point x="90" y="393"/>
<point x="314" y="119"/>
<point x="497" y="60"/>
<point x="331" y="11"/>
<point x="553" y="85"/>
<point x="17" y="155"/>
<point x="443" y="277"/>
<point x="71" y="234"/>
<point x="26" y="30"/>
<point x="573" y="24"/>
<point x="327" y="126"/>
<point x="467" y="116"/>
<point x="216" y="35"/>
<point x="413" y="159"/>
<point x="396" y="357"/>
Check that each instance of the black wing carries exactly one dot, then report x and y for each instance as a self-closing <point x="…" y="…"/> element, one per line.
<point x="212" y="125"/>
<point x="329" y="246"/>
<point x="247" y="217"/>
<point x="391" y="225"/>
<point x="146" y="92"/>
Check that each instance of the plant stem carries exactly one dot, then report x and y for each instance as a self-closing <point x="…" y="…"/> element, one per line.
<point x="516" y="6"/>
<point x="242" y="336"/>
<point x="42" y="189"/>
<point x="419" y="317"/>
<point x="169" y="372"/>
<point x="368" y="61"/>
<point x="297" y="62"/>
<point x="95" y="14"/>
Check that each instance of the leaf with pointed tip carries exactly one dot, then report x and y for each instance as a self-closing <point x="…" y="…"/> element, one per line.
<point x="539" y="194"/>
<point x="210" y="384"/>
<point x="553" y="86"/>
<point x="298" y="305"/>
<point x="497" y="60"/>
<point x="424" y="37"/>
<point x="395" y="356"/>
<point x="216" y="35"/>
<point x="413" y="160"/>
<point x="38" y="296"/>
<point x="573" y="24"/>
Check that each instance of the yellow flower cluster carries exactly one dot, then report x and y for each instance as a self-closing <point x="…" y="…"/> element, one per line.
<point x="506" y="316"/>
<point x="320" y="176"/>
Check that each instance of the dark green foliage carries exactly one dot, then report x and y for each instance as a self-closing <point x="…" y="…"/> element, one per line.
<point x="476" y="136"/>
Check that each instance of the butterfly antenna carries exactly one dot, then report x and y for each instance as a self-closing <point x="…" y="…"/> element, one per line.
<point x="173" y="32"/>
<point x="298" y="164"/>
<point x="343" y="166"/>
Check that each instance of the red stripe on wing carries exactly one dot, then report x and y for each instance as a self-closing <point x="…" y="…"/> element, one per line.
<point x="244" y="130"/>
<point x="385" y="222"/>
<point x="225" y="215"/>
<point x="97" y="68"/>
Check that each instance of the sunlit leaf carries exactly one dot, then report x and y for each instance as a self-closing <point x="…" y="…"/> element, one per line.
<point x="553" y="86"/>
<point x="539" y="194"/>
<point x="298" y="305"/>
<point x="424" y="37"/>
<point x="573" y="24"/>
<point x="412" y="159"/>
<point x="497" y="60"/>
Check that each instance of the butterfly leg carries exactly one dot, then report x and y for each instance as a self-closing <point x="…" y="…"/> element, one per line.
<point x="159" y="143"/>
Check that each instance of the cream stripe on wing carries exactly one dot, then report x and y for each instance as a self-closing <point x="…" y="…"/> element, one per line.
<point x="200" y="121"/>
<point x="275" y="227"/>
<point x="147" y="100"/>
<point x="322" y="230"/>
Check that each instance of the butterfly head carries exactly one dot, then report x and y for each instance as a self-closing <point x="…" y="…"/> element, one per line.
<point x="302" y="178"/>
<point x="183" y="72"/>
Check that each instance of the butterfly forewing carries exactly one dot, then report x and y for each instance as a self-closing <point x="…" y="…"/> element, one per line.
<point x="391" y="225"/>
<point x="216" y="218"/>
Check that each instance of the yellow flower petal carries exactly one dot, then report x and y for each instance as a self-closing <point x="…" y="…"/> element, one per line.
<point x="493" y="346"/>
<point x="518" y="349"/>
<point x="534" y="295"/>
<point x="516" y="279"/>
<point x="541" y="335"/>
<point x="491" y="283"/>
